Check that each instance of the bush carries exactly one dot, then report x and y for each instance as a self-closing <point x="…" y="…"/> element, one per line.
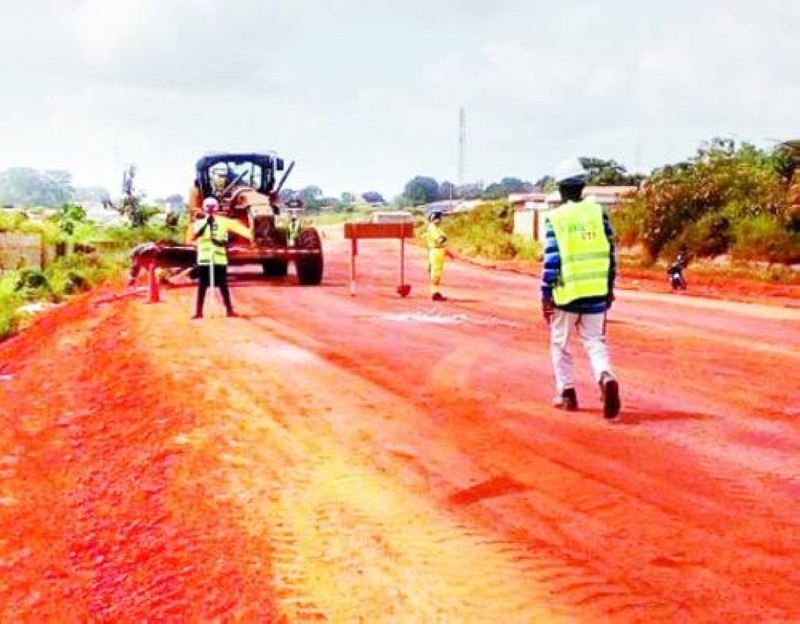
<point x="627" y="221"/>
<point x="764" y="238"/>
<point x="32" y="284"/>
<point x="527" y="248"/>
<point x="485" y="231"/>
<point x="10" y="300"/>
<point x="709" y="236"/>
<point x="696" y="202"/>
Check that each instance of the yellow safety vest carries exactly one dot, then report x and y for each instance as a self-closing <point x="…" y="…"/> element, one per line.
<point x="207" y="251"/>
<point x="434" y="237"/>
<point x="584" y="250"/>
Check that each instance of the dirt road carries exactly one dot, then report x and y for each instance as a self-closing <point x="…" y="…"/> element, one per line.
<point x="368" y="458"/>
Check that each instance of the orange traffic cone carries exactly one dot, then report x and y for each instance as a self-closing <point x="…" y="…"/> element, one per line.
<point x="153" y="295"/>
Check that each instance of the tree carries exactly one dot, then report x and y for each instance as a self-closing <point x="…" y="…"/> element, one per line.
<point x="373" y="197"/>
<point x="131" y="205"/>
<point x="311" y="196"/>
<point x="448" y="190"/>
<point x="608" y="173"/>
<point x="505" y="187"/>
<point x="421" y="190"/>
<point x="546" y="183"/>
<point x="29" y="187"/>
<point x="69" y="215"/>
<point x="706" y="202"/>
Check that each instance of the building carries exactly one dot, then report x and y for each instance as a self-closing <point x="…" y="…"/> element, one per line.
<point x="530" y="208"/>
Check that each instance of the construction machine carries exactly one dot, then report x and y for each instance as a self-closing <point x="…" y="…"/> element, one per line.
<point x="248" y="191"/>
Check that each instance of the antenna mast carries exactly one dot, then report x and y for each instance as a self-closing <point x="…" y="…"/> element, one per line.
<point x="462" y="142"/>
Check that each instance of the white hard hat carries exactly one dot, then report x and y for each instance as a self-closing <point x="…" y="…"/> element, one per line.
<point x="210" y="204"/>
<point x="571" y="171"/>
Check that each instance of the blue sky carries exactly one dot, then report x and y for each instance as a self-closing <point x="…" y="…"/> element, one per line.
<point x="364" y="95"/>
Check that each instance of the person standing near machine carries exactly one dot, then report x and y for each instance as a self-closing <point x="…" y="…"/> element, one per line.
<point x="211" y="236"/>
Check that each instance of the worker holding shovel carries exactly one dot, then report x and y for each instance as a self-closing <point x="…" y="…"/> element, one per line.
<point x="211" y="235"/>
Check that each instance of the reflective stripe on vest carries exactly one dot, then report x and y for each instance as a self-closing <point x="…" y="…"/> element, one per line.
<point x="584" y="251"/>
<point x="206" y="249"/>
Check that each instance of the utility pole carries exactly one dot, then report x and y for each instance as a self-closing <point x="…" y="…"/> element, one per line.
<point x="462" y="143"/>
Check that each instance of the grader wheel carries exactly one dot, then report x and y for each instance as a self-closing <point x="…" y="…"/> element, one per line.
<point x="309" y="266"/>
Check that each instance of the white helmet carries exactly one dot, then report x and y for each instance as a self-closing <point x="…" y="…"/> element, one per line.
<point x="571" y="172"/>
<point x="219" y="176"/>
<point x="210" y="205"/>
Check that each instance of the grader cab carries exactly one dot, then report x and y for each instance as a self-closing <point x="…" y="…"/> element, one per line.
<point x="246" y="186"/>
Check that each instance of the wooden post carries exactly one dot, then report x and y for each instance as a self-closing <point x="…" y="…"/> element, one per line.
<point x="353" y="254"/>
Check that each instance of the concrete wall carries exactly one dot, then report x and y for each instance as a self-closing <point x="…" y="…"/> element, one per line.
<point x="21" y="250"/>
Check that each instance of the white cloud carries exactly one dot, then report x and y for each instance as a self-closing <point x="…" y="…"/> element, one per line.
<point x="365" y="95"/>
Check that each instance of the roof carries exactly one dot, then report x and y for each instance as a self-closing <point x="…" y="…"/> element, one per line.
<point x="267" y="159"/>
<point x="595" y="191"/>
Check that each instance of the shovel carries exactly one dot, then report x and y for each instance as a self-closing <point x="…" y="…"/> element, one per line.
<point x="403" y="289"/>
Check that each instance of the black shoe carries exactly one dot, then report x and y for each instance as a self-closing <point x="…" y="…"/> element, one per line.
<point x="438" y="297"/>
<point x="196" y="316"/>
<point x="567" y="400"/>
<point x="609" y="388"/>
<point x="230" y="313"/>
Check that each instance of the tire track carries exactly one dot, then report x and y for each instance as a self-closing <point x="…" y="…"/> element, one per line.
<point x="305" y="480"/>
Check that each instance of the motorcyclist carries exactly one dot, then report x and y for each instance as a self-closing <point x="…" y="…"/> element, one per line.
<point x="675" y="271"/>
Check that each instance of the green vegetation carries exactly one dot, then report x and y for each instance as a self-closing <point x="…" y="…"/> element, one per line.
<point x="728" y="199"/>
<point x="487" y="232"/>
<point x="85" y="255"/>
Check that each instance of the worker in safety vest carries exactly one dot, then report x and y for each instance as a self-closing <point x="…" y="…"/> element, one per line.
<point x="578" y="287"/>
<point x="436" y="242"/>
<point x="211" y="236"/>
<point x="293" y="229"/>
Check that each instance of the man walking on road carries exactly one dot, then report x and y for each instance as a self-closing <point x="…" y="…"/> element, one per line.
<point x="437" y="245"/>
<point x="578" y="275"/>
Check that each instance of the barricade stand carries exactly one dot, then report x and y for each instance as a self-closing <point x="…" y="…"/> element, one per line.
<point x="153" y="294"/>
<point x="356" y="231"/>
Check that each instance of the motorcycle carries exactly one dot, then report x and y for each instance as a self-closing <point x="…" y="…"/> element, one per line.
<point x="675" y="273"/>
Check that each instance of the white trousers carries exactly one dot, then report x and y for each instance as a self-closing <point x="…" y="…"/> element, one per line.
<point x="592" y="330"/>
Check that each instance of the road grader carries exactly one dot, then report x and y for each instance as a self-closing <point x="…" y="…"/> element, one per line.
<point x="246" y="186"/>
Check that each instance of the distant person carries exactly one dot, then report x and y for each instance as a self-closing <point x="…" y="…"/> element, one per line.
<point x="578" y="276"/>
<point x="211" y="234"/>
<point x="675" y="271"/>
<point x="294" y="227"/>
<point x="436" y="242"/>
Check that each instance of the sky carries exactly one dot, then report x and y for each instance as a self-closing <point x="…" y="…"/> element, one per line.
<point x="364" y="95"/>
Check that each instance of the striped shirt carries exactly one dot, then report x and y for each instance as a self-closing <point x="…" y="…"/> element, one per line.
<point x="551" y="272"/>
